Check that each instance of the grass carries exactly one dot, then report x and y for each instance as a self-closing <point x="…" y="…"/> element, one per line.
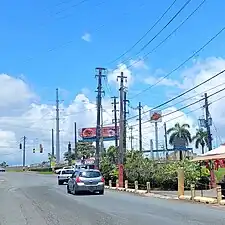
<point x="220" y="174"/>
<point x="46" y="172"/>
<point x="13" y="170"/>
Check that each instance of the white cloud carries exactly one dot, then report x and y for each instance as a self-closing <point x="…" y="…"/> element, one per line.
<point x="151" y="80"/>
<point x="139" y="64"/>
<point x="35" y="121"/>
<point x="112" y="76"/>
<point x="200" y="72"/>
<point x="86" y="37"/>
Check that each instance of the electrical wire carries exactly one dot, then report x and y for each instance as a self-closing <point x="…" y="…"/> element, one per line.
<point x="186" y="106"/>
<point x="149" y="30"/>
<point x="184" y="62"/>
<point x="183" y="93"/>
<point x="170" y="35"/>
<point x="170" y="21"/>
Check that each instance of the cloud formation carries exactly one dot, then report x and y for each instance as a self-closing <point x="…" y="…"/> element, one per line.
<point x="86" y="37"/>
<point x="21" y="115"/>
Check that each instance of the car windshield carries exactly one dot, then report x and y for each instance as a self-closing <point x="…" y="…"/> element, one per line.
<point x="90" y="174"/>
<point x="67" y="171"/>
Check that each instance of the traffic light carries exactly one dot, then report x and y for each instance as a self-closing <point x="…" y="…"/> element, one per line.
<point x="20" y="146"/>
<point x="33" y="150"/>
<point x="41" y="148"/>
<point x="69" y="147"/>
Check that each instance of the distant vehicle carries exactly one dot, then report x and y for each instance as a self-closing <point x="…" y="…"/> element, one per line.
<point x="86" y="180"/>
<point x="64" y="175"/>
<point x="2" y="169"/>
<point x="85" y="166"/>
<point x="64" y="168"/>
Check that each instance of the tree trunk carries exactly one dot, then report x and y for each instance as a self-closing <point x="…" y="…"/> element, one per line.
<point x="202" y="149"/>
<point x="181" y="155"/>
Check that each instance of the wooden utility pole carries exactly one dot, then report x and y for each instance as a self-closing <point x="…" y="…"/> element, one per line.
<point x="75" y="139"/>
<point x="140" y="127"/>
<point x="121" y="143"/>
<point x="207" y="121"/>
<point x="53" y="149"/>
<point x="114" y="103"/>
<point x="57" y="128"/>
<point x="24" y="152"/>
<point x="131" y="137"/>
<point x="100" y="74"/>
<point x="165" y="140"/>
<point x="125" y="121"/>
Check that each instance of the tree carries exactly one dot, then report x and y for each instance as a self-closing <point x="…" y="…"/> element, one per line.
<point x="3" y="164"/>
<point x="179" y="132"/>
<point x="200" y="138"/>
<point x="83" y="149"/>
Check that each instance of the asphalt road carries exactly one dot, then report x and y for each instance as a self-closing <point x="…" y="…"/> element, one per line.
<point x="33" y="199"/>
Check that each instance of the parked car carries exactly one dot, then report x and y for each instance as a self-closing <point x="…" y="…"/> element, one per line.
<point x="86" y="180"/>
<point x="64" y="175"/>
<point x="2" y="169"/>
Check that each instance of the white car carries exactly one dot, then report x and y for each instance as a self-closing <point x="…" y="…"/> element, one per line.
<point x="64" y="176"/>
<point x="64" y="168"/>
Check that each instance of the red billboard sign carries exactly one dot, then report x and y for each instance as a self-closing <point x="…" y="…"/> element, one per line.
<point x="108" y="133"/>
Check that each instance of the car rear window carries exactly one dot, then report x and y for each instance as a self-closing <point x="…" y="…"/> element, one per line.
<point x="90" y="174"/>
<point x="67" y="171"/>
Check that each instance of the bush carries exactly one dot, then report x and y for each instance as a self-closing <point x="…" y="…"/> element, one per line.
<point x="161" y="175"/>
<point x="41" y="169"/>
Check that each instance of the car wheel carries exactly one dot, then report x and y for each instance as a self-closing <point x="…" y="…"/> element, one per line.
<point x="101" y="192"/>
<point x="74" y="191"/>
<point x="60" y="182"/>
<point x="68" y="189"/>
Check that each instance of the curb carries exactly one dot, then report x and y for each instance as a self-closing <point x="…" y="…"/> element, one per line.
<point x="205" y="200"/>
<point x="140" y="192"/>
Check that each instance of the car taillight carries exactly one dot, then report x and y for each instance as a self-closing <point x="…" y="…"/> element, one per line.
<point x="103" y="180"/>
<point x="78" y="179"/>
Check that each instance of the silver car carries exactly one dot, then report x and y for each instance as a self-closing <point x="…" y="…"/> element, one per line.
<point x="86" y="180"/>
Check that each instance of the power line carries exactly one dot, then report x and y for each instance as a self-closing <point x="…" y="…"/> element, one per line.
<point x="174" y="31"/>
<point x="170" y="21"/>
<point x="152" y="27"/>
<point x="180" y="95"/>
<point x="186" y="106"/>
<point x="178" y="67"/>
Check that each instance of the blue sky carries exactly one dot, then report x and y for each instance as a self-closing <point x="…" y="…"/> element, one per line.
<point x="30" y="30"/>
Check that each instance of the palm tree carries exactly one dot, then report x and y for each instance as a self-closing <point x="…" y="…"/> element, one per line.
<point x="201" y="138"/>
<point x="179" y="132"/>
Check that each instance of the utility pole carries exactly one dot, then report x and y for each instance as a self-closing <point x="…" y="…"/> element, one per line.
<point x="207" y="120"/>
<point x="69" y="154"/>
<point x="165" y="139"/>
<point x="114" y="103"/>
<point x="75" y="139"/>
<point x="24" y="152"/>
<point x="156" y="140"/>
<point x="121" y="142"/>
<point x="100" y="74"/>
<point x="140" y="127"/>
<point x="208" y="123"/>
<point x="131" y="137"/>
<point x="53" y="150"/>
<point x="125" y="121"/>
<point x="151" y="149"/>
<point x="102" y="140"/>
<point x="57" y="128"/>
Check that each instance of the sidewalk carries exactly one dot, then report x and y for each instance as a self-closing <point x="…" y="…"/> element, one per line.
<point x="206" y="193"/>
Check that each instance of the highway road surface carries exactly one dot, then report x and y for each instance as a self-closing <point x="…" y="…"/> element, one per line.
<point x="34" y="199"/>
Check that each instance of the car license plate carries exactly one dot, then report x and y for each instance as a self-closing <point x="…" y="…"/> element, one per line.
<point x="91" y="188"/>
